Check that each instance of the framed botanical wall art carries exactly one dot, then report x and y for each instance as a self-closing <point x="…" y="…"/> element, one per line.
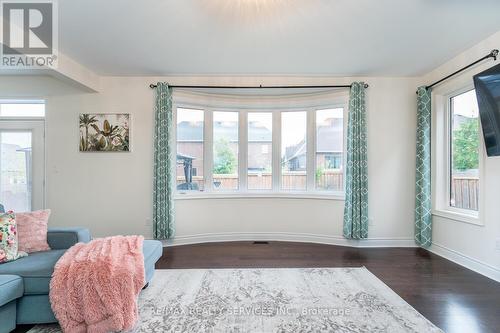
<point x="106" y="132"/>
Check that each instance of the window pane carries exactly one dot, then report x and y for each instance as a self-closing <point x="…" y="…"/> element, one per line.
<point x="464" y="187"/>
<point x="329" y="149"/>
<point x="293" y="150"/>
<point x="260" y="151"/>
<point x="190" y="174"/>
<point x="22" y="110"/>
<point x="15" y="171"/>
<point x="225" y="169"/>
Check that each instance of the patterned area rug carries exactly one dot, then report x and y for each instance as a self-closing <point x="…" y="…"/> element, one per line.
<point x="272" y="300"/>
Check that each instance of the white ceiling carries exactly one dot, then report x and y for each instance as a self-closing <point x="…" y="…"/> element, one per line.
<point x="272" y="37"/>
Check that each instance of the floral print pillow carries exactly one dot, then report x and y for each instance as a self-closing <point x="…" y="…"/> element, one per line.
<point x="8" y="238"/>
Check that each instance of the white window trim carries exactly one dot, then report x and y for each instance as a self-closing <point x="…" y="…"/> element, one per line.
<point x="441" y="175"/>
<point x="256" y="194"/>
<point x="209" y="104"/>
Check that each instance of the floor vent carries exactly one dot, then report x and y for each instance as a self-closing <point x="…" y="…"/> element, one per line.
<point x="261" y="242"/>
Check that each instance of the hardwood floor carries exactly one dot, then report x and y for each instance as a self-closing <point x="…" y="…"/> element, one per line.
<point x="452" y="297"/>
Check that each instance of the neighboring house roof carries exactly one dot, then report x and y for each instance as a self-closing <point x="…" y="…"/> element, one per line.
<point x="193" y="132"/>
<point x="329" y="138"/>
<point x="259" y="133"/>
<point x="295" y="151"/>
<point x="190" y="131"/>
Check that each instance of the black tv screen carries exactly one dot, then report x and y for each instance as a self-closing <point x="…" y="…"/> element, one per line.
<point x="487" y="86"/>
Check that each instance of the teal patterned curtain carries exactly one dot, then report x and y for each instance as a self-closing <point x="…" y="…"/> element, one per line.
<point x="163" y="187"/>
<point x="423" y="217"/>
<point x="356" y="191"/>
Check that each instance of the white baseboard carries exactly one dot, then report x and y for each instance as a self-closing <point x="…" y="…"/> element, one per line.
<point x="289" y="237"/>
<point x="466" y="261"/>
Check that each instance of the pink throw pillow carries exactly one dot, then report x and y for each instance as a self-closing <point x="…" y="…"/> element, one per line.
<point x="32" y="230"/>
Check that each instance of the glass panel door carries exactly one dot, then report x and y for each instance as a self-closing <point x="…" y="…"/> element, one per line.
<point x="21" y="165"/>
<point x="15" y="170"/>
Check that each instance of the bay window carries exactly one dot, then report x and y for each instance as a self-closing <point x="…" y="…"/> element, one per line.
<point x="279" y="150"/>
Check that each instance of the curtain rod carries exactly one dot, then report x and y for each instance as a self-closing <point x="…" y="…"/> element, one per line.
<point x="152" y="86"/>
<point x="493" y="54"/>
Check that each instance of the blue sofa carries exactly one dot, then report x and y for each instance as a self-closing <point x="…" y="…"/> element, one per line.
<point x="24" y="283"/>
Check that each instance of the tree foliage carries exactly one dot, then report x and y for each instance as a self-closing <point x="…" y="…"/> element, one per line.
<point x="466" y="145"/>
<point x="224" y="158"/>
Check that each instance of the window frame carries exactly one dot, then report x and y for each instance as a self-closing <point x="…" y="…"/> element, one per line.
<point x="37" y="125"/>
<point x="442" y="191"/>
<point x="274" y="183"/>
<point x="345" y="118"/>
<point x="210" y="128"/>
<point x="310" y="117"/>
<point x="24" y="101"/>
<point x="208" y="106"/>
<point x="174" y="144"/>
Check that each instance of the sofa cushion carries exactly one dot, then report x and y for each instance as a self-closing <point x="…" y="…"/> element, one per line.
<point x="36" y="270"/>
<point x="152" y="250"/>
<point x="64" y="238"/>
<point x="11" y="288"/>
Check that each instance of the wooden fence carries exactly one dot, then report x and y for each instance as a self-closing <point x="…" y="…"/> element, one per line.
<point x="465" y="192"/>
<point x="296" y="180"/>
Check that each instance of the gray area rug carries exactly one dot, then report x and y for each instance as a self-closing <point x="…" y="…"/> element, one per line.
<point x="272" y="300"/>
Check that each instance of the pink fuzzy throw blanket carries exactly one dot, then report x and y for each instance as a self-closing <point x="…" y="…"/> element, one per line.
<point x="95" y="286"/>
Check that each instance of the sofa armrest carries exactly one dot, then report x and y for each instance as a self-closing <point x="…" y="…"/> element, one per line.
<point x="64" y="238"/>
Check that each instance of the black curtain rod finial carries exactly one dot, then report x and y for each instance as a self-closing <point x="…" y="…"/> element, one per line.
<point x="494" y="54"/>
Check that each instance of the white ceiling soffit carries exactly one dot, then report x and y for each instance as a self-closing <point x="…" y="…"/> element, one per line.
<point x="271" y="37"/>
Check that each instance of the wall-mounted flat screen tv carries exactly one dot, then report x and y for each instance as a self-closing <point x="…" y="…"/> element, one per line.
<point x="487" y="86"/>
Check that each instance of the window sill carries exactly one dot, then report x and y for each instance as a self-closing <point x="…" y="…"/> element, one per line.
<point x="460" y="217"/>
<point x="250" y="195"/>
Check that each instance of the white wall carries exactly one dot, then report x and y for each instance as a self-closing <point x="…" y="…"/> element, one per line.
<point x="111" y="192"/>
<point x="469" y="244"/>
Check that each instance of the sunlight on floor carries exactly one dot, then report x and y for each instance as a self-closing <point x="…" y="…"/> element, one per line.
<point x="462" y="319"/>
